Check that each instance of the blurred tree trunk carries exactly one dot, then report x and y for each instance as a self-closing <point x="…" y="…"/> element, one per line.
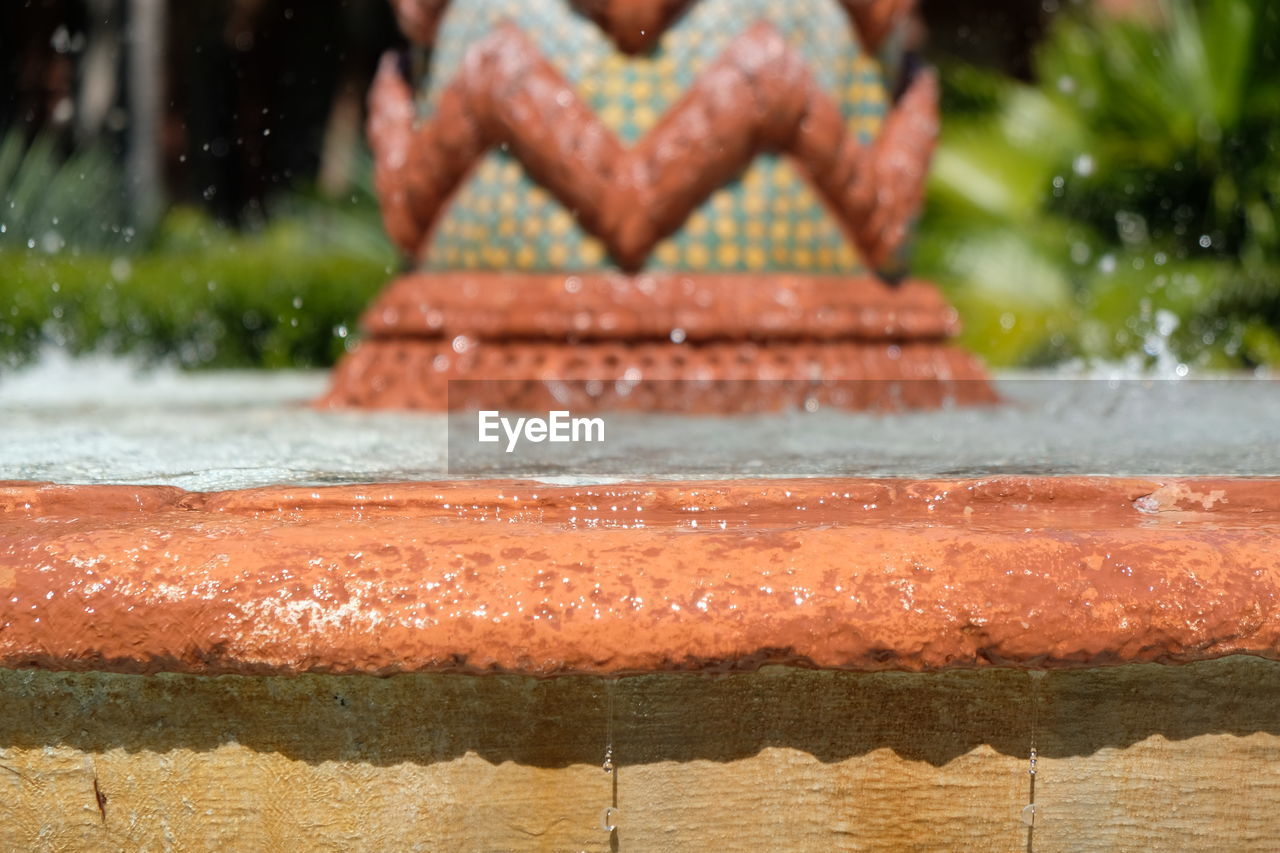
<point x="99" y="70"/>
<point x="146" y="110"/>
<point x="342" y="139"/>
<point x="344" y="130"/>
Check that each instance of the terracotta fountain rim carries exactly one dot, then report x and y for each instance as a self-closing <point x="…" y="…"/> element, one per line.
<point x="517" y="577"/>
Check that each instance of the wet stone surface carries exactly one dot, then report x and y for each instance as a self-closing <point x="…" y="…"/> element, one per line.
<point x="107" y="423"/>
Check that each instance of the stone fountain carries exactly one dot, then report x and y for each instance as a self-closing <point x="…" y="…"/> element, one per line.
<point x="651" y="191"/>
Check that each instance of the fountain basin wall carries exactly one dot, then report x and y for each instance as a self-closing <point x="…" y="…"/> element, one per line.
<point x="538" y="580"/>
<point x="1141" y="757"/>
<point x="972" y="578"/>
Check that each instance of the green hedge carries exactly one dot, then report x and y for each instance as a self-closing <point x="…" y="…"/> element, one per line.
<point x="286" y="297"/>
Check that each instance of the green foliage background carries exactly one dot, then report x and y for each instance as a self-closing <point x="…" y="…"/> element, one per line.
<point x="277" y="294"/>
<point x="1123" y="207"/>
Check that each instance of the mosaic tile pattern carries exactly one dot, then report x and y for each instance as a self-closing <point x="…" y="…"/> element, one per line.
<point x="770" y="219"/>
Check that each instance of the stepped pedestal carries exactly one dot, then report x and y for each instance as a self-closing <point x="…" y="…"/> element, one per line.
<point x="657" y="343"/>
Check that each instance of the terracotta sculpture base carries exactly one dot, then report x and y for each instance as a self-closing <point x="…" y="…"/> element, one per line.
<point x="656" y="377"/>
<point x="708" y="344"/>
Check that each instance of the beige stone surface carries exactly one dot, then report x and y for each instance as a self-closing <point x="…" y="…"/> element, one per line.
<point x="1132" y="758"/>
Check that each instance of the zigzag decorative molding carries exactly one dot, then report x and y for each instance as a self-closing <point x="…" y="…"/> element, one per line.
<point x="636" y="25"/>
<point x="759" y="96"/>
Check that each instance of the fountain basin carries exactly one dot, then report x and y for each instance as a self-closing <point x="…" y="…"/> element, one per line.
<point x="196" y="604"/>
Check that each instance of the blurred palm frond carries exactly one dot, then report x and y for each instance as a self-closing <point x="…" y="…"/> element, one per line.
<point x="50" y="201"/>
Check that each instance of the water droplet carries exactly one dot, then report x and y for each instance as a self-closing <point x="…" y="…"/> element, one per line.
<point x="61" y="40"/>
<point x="121" y="269"/>
<point x="1167" y="322"/>
<point x="1029" y="815"/>
<point x="609" y="819"/>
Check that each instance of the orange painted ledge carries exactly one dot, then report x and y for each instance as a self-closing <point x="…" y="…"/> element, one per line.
<point x="518" y="577"/>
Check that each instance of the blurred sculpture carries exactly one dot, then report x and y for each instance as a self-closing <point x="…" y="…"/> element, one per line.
<point x="699" y="190"/>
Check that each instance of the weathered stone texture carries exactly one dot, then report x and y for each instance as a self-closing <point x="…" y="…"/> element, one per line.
<point x="531" y="579"/>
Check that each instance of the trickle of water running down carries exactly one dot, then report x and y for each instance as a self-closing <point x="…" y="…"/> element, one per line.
<point x="1030" y="811"/>
<point x="609" y="817"/>
<point x="610" y="814"/>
